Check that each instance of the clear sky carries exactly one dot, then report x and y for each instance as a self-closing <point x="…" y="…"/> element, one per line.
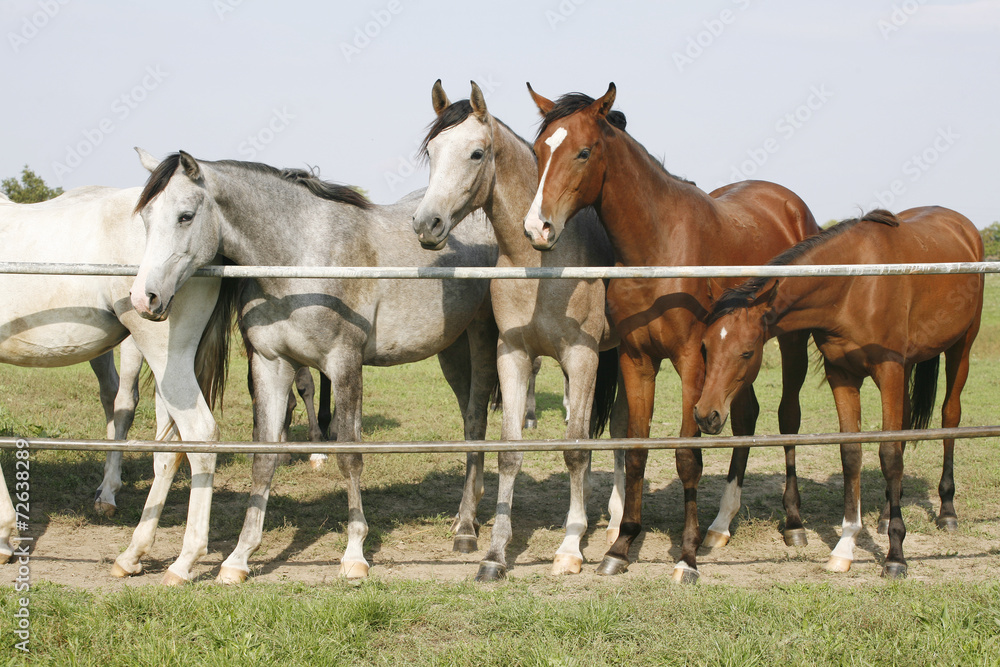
<point x="851" y="103"/>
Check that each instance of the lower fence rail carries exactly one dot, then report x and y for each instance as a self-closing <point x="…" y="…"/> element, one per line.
<point x="723" y="442"/>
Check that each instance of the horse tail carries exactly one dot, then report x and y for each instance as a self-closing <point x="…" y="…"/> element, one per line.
<point x="211" y="362"/>
<point x="605" y="391"/>
<point x="496" y="397"/>
<point x="923" y="391"/>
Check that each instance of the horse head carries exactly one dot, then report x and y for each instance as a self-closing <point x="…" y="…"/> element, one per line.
<point x="733" y="346"/>
<point x="183" y="225"/>
<point x="459" y="145"/>
<point x="570" y="150"/>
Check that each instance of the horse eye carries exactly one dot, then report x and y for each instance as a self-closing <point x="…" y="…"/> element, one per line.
<point x="584" y="154"/>
<point x="185" y="217"/>
<point x="477" y="154"/>
<point x="746" y="355"/>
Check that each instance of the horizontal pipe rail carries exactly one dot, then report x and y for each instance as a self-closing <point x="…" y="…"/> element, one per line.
<point x="498" y="446"/>
<point x="480" y="273"/>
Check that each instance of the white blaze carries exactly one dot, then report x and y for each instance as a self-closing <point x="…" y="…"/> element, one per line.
<point x="534" y="217"/>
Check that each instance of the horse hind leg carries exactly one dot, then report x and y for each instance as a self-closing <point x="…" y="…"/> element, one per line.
<point x="956" y="374"/>
<point x="794" y="368"/>
<point x="107" y="379"/>
<point x="618" y="426"/>
<point x="530" y="416"/>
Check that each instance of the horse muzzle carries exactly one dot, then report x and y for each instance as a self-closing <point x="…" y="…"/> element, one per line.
<point x="151" y="307"/>
<point x="710" y="423"/>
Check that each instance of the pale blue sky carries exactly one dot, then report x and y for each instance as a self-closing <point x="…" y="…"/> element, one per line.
<point x="847" y="102"/>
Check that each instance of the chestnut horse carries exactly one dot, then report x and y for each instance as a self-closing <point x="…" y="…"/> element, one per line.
<point x="654" y="218"/>
<point x="885" y="327"/>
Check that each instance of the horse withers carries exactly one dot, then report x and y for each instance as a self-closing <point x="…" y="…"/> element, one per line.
<point x="889" y="328"/>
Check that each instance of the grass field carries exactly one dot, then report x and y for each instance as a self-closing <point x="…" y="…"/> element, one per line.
<point x="758" y="602"/>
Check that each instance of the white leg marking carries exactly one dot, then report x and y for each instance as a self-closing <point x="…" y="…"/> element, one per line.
<point x="728" y="508"/>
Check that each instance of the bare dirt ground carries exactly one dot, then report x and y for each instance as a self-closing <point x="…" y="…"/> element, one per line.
<point x="304" y="534"/>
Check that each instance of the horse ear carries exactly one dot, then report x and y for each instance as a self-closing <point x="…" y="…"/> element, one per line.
<point x="602" y="106"/>
<point x="766" y="299"/>
<point x="477" y="101"/>
<point x="147" y="160"/>
<point x="190" y="165"/>
<point x="438" y="98"/>
<point x="544" y="104"/>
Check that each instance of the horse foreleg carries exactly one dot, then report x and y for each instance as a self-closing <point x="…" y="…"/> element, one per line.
<point x="691" y="368"/>
<point x="639" y="378"/>
<point x="580" y="366"/>
<point x="348" y="389"/>
<point x="892" y="380"/>
<point x="514" y="367"/>
<point x="744" y="412"/>
<point x="530" y="416"/>
<point x="272" y="380"/>
<point x="618" y="426"/>
<point x="847" y="396"/>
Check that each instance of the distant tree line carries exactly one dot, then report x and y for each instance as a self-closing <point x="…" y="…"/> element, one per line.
<point x="29" y="190"/>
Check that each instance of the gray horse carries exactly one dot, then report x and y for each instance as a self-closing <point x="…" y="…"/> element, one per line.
<point x="253" y="214"/>
<point x="478" y="163"/>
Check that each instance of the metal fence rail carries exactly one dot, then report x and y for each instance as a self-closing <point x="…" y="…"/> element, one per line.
<point x="473" y="273"/>
<point x="497" y="446"/>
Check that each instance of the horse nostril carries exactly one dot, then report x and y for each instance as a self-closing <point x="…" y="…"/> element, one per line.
<point x="437" y="226"/>
<point x="154" y="300"/>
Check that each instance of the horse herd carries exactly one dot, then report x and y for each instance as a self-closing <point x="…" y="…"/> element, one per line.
<point x="586" y="194"/>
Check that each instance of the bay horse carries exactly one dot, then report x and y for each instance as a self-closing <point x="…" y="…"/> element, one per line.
<point x="889" y="328"/>
<point x="255" y="214"/>
<point x="478" y="163"/>
<point x="656" y="219"/>
<point x="58" y="320"/>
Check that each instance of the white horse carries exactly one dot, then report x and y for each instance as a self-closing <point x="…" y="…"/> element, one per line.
<point x="48" y="321"/>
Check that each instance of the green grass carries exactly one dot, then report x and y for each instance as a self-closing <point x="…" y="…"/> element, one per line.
<point x="529" y="619"/>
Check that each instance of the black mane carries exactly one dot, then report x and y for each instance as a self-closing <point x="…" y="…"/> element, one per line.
<point x="323" y="189"/>
<point x="742" y="296"/>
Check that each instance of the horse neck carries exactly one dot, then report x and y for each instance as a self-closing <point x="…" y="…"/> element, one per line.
<point x="513" y="189"/>
<point x="269" y="221"/>
<point x="651" y="217"/>
<point x="809" y="302"/>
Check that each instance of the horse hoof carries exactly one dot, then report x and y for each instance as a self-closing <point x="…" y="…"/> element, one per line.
<point x="612" y="536"/>
<point x="104" y="509"/>
<point x="838" y="564"/>
<point x="883" y="527"/>
<point x="353" y="570"/>
<point x="317" y="463"/>
<point x="685" y="575"/>
<point x="948" y="523"/>
<point x="171" y="579"/>
<point x="796" y="537"/>
<point x="530" y="423"/>
<point x="612" y="565"/>
<point x="231" y="575"/>
<point x="119" y="572"/>
<point x="714" y="539"/>
<point x="894" y="571"/>
<point x="465" y="544"/>
<point x="490" y="571"/>
<point x="5" y="555"/>
<point x="566" y="564"/>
